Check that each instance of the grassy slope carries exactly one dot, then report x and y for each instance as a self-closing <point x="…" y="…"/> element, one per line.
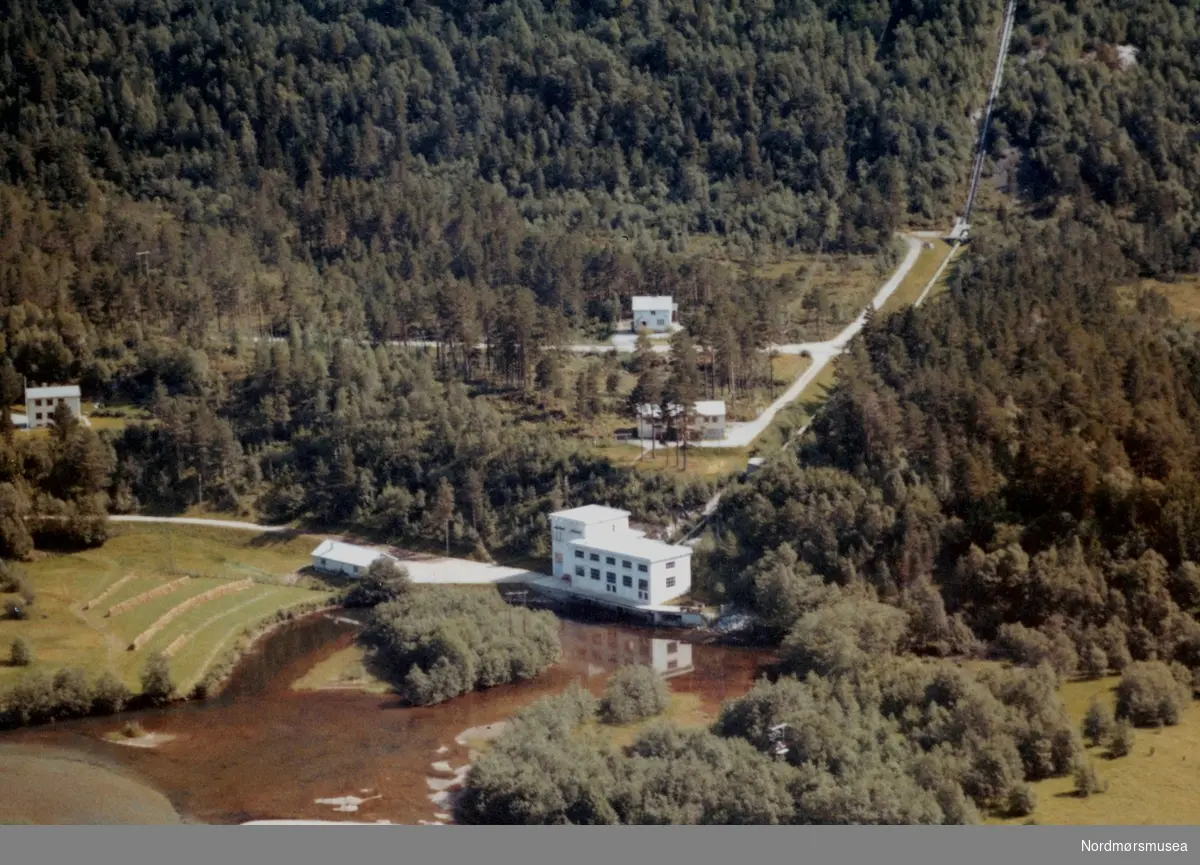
<point x="916" y="280"/>
<point x="62" y="634"/>
<point x="345" y="669"/>
<point x="1157" y="784"/>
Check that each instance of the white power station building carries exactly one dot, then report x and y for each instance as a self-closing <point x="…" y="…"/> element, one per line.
<point x="597" y="555"/>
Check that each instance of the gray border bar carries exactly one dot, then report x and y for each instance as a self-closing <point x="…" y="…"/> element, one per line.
<point x="579" y="845"/>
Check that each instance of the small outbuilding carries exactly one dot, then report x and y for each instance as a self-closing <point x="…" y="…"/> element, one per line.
<point x="338" y="557"/>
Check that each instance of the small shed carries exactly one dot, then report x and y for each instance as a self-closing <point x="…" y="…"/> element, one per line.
<point x="338" y="557"/>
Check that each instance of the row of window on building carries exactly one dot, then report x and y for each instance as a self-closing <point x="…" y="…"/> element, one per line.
<point x="610" y="560"/>
<point x="626" y="581"/>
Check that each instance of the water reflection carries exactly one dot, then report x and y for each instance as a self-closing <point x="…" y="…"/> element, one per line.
<point x="262" y="751"/>
<point x="599" y="651"/>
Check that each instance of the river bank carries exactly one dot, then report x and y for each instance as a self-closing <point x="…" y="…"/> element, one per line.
<point x="259" y="750"/>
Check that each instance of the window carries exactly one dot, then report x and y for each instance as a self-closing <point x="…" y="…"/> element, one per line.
<point x="39" y="415"/>
<point x="625" y="563"/>
<point x="610" y="588"/>
<point x="672" y="664"/>
<point x="612" y="578"/>
<point x="670" y="582"/>
<point x="579" y="554"/>
<point x="558" y="534"/>
<point x="627" y="581"/>
<point x="579" y="570"/>
<point x="609" y="560"/>
<point x="644" y="585"/>
<point x="643" y="596"/>
<point x="670" y="564"/>
<point x="642" y="569"/>
<point x="595" y="557"/>
<point x="595" y="573"/>
<point x="672" y="647"/>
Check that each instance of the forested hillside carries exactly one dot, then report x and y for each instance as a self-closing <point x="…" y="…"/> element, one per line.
<point x="179" y="180"/>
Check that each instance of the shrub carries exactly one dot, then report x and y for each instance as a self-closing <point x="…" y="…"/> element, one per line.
<point x="31" y="700"/>
<point x="843" y="637"/>
<point x="133" y="730"/>
<point x="1022" y="801"/>
<point x="1121" y="742"/>
<point x="157" y="686"/>
<point x="15" y="610"/>
<point x="445" y="641"/>
<point x="384" y="581"/>
<point x="21" y="655"/>
<point x="1149" y="695"/>
<point x="1094" y="662"/>
<point x="72" y="694"/>
<point x="1087" y="782"/>
<point x="109" y="694"/>
<point x="1097" y="723"/>
<point x="1031" y="648"/>
<point x="634" y="693"/>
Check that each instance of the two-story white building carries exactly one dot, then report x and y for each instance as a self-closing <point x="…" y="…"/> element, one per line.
<point x="655" y="314"/>
<point x="708" y="420"/>
<point x="40" y="403"/>
<point x="597" y="555"/>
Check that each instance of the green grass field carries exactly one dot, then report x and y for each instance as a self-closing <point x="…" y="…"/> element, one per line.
<point x="912" y="286"/>
<point x="1157" y="784"/>
<point x="63" y="634"/>
<point x="1183" y="295"/>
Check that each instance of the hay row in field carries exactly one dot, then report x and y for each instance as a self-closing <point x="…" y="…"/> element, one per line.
<point x="138" y="600"/>
<point x="183" y="639"/>
<point x="109" y="592"/>
<point x="181" y="608"/>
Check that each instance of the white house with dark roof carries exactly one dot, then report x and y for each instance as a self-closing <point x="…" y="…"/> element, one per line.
<point x="40" y="403"/>
<point x="655" y="314"/>
<point x="338" y="557"/>
<point x="597" y="555"/>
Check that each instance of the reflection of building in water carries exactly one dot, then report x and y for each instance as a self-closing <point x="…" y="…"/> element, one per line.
<point x="601" y="650"/>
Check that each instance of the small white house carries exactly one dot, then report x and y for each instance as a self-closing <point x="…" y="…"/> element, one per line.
<point x="337" y="557"/>
<point x="596" y="553"/>
<point x="40" y="403"/>
<point x="708" y="420"/>
<point x="655" y="314"/>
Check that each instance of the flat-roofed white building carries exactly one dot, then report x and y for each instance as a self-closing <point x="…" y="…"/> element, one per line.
<point x="655" y="314"/>
<point x="40" y="403"/>
<point x="596" y="554"/>
<point x="708" y="419"/>
<point x="338" y="557"/>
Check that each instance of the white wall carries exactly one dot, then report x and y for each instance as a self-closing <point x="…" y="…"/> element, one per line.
<point x="46" y="410"/>
<point x="563" y="531"/>
<point x="680" y="570"/>
<point x="656" y="576"/>
<point x="330" y="566"/>
<point x="656" y="320"/>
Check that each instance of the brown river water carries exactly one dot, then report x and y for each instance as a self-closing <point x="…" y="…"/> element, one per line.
<point x="261" y="751"/>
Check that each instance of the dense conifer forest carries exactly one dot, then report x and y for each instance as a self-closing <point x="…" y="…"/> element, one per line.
<point x="221" y="217"/>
